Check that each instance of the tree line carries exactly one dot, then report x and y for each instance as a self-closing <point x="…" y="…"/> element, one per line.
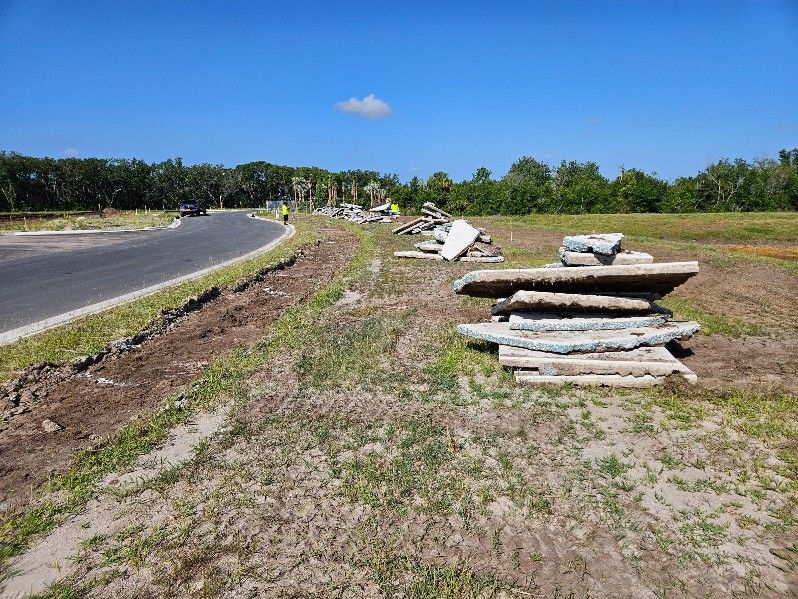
<point x="530" y="186"/>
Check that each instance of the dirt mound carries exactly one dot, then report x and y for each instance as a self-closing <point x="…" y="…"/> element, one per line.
<point x="110" y="212"/>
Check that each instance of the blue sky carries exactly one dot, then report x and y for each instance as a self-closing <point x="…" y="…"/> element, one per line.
<point x="662" y="86"/>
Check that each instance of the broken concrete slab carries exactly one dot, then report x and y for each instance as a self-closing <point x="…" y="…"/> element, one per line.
<point x="554" y="321"/>
<point x="460" y="238"/>
<point x="489" y="259"/>
<point x="486" y="248"/>
<point x="570" y="258"/>
<point x="655" y="361"/>
<point x="593" y="380"/>
<point x="659" y="278"/>
<point x="429" y="246"/>
<point x="419" y="255"/>
<point x="566" y="342"/>
<point x="546" y="300"/>
<point x="600" y="243"/>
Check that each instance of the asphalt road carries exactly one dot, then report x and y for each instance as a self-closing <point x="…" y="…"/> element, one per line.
<point x="45" y="276"/>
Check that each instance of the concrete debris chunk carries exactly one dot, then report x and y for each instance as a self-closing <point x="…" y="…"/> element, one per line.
<point x="453" y="241"/>
<point x="359" y="214"/>
<point x="566" y="342"/>
<point x="429" y="246"/>
<point x="602" y="243"/>
<point x="488" y="259"/>
<point x="547" y="300"/>
<point x="418" y="255"/>
<point x="602" y="380"/>
<point x="570" y="258"/>
<point x="655" y="361"/>
<point x="660" y="278"/>
<point x="542" y="321"/>
<point x="432" y="216"/>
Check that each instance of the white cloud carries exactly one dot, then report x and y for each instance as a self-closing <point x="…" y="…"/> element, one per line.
<point x="370" y="107"/>
<point x="71" y="152"/>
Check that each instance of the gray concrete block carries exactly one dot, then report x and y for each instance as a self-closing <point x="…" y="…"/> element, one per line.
<point x="655" y="361"/>
<point x="460" y="238"/>
<point x="547" y="301"/>
<point x="566" y="342"/>
<point x="594" y="380"/>
<point x="600" y="243"/>
<point x="429" y="246"/>
<point x="659" y="278"/>
<point x="552" y="321"/>
<point x="590" y="259"/>
<point x="418" y="255"/>
<point x="489" y="259"/>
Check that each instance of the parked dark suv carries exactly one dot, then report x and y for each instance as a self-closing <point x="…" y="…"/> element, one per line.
<point x="191" y="207"/>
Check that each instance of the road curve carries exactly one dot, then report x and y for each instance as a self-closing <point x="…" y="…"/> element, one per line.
<point x="45" y="276"/>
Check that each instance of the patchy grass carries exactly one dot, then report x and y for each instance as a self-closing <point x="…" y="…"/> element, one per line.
<point x="91" y="334"/>
<point x="709" y="227"/>
<point x="405" y="576"/>
<point x="712" y="324"/>
<point x="128" y="219"/>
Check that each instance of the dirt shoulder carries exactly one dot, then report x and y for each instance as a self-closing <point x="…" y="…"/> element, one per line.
<point x="93" y="404"/>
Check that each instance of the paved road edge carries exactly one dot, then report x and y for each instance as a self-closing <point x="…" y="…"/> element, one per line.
<point x="55" y="321"/>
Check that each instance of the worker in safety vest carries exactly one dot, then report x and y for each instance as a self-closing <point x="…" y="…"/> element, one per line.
<point x="394" y="207"/>
<point x="285" y="213"/>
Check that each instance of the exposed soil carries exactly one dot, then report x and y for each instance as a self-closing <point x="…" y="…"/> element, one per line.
<point x="98" y="401"/>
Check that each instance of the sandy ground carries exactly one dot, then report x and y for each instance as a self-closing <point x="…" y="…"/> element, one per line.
<point x="386" y="456"/>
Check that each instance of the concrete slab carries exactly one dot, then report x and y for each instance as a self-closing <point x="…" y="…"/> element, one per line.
<point x="655" y="361"/>
<point x="460" y="238"/>
<point x="593" y="380"/>
<point x="659" y="278"/>
<point x="600" y="243"/>
<point x="570" y="258"/>
<point x="429" y="246"/>
<point x="547" y="301"/>
<point x="553" y="321"/>
<point x="489" y="259"/>
<point x="418" y="255"/>
<point x="566" y="342"/>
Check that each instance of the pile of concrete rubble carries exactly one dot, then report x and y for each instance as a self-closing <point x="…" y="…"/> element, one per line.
<point x="431" y="217"/>
<point x="592" y="320"/>
<point x="359" y="214"/>
<point x="456" y="241"/>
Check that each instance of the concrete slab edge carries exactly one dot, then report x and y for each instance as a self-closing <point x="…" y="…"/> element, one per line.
<point x="55" y="321"/>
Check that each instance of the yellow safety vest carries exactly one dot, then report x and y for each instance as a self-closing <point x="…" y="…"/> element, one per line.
<point x="395" y="207"/>
<point x="285" y="210"/>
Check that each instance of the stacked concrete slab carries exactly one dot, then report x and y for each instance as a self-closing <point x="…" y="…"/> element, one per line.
<point x="359" y="214"/>
<point x="431" y="217"/>
<point x="591" y="319"/>
<point x="456" y="241"/>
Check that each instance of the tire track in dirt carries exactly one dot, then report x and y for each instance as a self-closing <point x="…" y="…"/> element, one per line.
<point x="98" y="401"/>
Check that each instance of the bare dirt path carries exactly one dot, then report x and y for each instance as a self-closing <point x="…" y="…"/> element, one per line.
<point x="95" y="403"/>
